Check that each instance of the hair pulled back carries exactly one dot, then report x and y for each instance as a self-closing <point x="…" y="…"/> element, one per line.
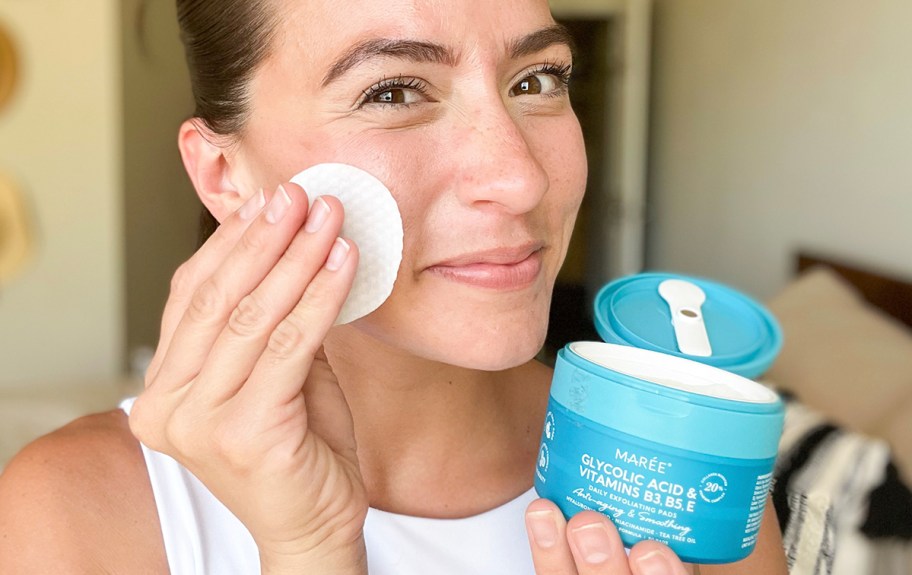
<point x="225" y="41"/>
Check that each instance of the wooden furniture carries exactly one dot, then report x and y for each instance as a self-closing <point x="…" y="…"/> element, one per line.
<point x="883" y="290"/>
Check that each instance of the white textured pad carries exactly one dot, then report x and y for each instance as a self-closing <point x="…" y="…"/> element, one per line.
<point x="372" y="220"/>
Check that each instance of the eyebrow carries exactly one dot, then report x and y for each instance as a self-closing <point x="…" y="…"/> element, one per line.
<point x="428" y="52"/>
<point x="541" y="39"/>
<point x="413" y="50"/>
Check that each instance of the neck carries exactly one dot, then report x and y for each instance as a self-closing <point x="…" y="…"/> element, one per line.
<point x="435" y="439"/>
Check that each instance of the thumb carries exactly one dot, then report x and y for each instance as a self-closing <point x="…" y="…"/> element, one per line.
<point x="328" y="413"/>
<point x="648" y="557"/>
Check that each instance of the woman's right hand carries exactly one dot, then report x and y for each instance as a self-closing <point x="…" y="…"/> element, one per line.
<point x="240" y="393"/>
<point x="589" y="544"/>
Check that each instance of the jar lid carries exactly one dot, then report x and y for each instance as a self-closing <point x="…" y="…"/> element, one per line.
<point x="691" y="318"/>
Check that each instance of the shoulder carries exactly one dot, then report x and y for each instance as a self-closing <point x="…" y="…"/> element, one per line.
<point x="80" y="498"/>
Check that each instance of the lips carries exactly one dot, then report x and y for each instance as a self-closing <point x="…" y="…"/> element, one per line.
<point x="505" y="268"/>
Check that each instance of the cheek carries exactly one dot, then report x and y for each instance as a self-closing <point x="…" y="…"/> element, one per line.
<point x="404" y="161"/>
<point x="562" y="152"/>
<point x="397" y="159"/>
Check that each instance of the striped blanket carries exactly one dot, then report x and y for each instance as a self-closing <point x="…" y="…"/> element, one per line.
<point x="842" y="506"/>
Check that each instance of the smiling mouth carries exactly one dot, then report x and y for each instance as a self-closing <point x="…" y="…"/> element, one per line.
<point x="506" y="269"/>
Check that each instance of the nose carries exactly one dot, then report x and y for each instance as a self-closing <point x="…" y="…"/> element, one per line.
<point x="498" y="168"/>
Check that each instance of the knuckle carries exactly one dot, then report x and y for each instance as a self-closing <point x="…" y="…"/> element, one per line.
<point x="137" y="420"/>
<point x="249" y="317"/>
<point x="288" y="338"/>
<point x="207" y="302"/>
<point x="316" y="300"/>
<point x="143" y="423"/>
<point x="180" y="431"/>
<point x="300" y="252"/>
<point x="180" y="281"/>
<point x="253" y="242"/>
<point x="174" y="437"/>
<point x="230" y="446"/>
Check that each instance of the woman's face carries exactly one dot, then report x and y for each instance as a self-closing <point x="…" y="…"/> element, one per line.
<point x="460" y="107"/>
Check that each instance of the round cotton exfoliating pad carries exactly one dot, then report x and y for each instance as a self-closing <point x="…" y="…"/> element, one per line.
<point x="372" y="221"/>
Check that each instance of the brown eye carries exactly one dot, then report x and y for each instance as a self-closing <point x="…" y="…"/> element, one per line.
<point x="396" y="92"/>
<point x="529" y="85"/>
<point x="548" y="80"/>
<point x="396" y="96"/>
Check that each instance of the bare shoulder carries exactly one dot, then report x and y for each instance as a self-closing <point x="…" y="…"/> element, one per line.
<point x="79" y="500"/>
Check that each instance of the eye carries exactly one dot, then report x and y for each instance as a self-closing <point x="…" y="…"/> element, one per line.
<point x="533" y="85"/>
<point x="395" y="92"/>
<point x="547" y="80"/>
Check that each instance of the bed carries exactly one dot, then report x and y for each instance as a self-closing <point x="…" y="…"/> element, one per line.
<point x="845" y="459"/>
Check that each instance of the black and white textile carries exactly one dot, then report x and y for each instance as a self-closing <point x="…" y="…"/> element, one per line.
<point x="842" y="505"/>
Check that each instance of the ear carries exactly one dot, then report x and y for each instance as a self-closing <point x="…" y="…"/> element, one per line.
<point x="208" y="165"/>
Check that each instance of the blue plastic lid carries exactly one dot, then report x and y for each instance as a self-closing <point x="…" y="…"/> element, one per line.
<point x="744" y="336"/>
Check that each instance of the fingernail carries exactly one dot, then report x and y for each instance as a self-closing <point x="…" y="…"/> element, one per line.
<point x="592" y="543"/>
<point x="278" y="206"/>
<point x="654" y="563"/>
<point x="337" y="255"/>
<point x="541" y="525"/>
<point x="319" y="211"/>
<point x="252" y="206"/>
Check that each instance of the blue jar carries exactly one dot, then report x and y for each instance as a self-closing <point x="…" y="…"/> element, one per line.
<point x="668" y="446"/>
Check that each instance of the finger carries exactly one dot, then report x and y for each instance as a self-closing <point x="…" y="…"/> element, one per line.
<point x="250" y="260"/>
<point x="246" y="334"/>
<point x="547" y="531"/>
<point x="201" y="265"/>
<point x="654" y="558"/>
<point x="596" y="545"/>
<point x="280" y="372"/>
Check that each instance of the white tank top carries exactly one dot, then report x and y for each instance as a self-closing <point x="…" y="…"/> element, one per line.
<point x="202" y="536"/>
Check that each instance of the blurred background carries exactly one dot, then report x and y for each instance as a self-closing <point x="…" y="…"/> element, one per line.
<point x="725" y="138"/>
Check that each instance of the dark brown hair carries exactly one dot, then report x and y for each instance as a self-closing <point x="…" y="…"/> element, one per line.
<point x="224" y="42"/>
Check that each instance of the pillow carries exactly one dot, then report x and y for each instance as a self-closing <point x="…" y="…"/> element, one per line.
<point x="897" y="430"/>
<point x="845" y="358"/>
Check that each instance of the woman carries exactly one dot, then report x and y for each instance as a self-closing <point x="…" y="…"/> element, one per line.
<point x="428" y="410"/>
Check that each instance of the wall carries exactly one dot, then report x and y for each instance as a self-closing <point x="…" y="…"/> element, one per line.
<point x="778" y="125"/>
<point x="161" y="209"/>
<point x="60" y="139"/>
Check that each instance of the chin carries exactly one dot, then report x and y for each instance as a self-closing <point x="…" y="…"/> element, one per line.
<point x="484" y="345"/>
<point x="491" y="357"/>
<point x="509" y="359"/>
<point x="491" y="349"/>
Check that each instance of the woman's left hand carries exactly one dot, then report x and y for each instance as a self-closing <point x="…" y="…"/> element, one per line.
<point x="589" y="544"/>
